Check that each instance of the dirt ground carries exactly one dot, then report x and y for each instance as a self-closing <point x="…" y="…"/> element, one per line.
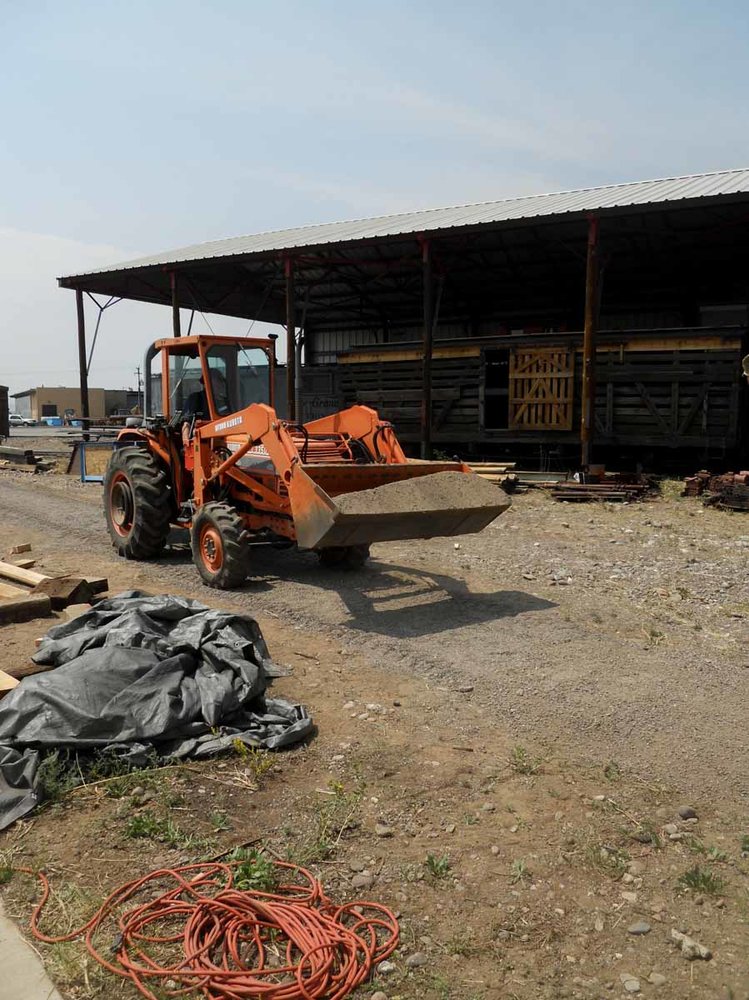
<point x="607" y="642"/>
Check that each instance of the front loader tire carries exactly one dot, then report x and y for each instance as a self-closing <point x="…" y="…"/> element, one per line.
<point x="137" y="503"/>
<point x="344" y="556"/>
<point x="220" y="546"/>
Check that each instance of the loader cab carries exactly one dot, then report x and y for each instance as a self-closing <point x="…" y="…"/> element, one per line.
<point x="204" y="378"/>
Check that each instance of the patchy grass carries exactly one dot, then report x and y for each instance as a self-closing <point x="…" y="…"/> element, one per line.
<point x="121" y="785"/>
<point x="463" y="944"/>
<point x="607" y="859"/>
<point x="713" y="854"/>
<point x="441" y="987"/>
<point x="612" y="771"/>
<point x="68" y="962"/>
<point x="56" y="777"/>
<point x="63" y="770"/>
<point x="438" y="867"/>
<point x="148" y="826"/>
<point x="521" y="761"/>
<point x="647" y="833"/>
<point x="702" y="880"/>
<point x="331" y="820"/>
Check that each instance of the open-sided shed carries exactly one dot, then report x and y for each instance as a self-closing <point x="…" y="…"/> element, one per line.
<point x="540" y="275"/>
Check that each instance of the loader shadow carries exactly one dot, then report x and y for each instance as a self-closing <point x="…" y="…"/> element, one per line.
<point x="406" y="602"/>
<point x="382" y="597"/>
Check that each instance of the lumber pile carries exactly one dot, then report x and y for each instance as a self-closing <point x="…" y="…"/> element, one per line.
<point x="493" y="472"/>
<point x="7" y="683"/>
<point x="499" y="474"/>
<point x="23" y="460"/>
<point x="36" y="595"/>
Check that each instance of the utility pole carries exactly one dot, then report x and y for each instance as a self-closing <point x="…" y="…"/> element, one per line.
<point x="590" y="331"/>
<point x="140" y="383"/>
<point x="426" y="360"/>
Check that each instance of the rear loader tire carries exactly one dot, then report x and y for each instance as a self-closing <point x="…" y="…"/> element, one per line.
<point x="344" y="556"/>
<point x="137" y="503"/>
<point x="220" y="546"/>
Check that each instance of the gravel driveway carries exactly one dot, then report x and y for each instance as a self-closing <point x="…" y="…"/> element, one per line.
<point x="610" y="632"/>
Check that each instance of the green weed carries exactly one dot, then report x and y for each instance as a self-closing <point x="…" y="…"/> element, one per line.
<point x="56" y="776"/>
<point x="219" y="821"/>
<point x="121" y="785"/>
<point x="438" y="867"/>
<point x="63" y="770"/>
<point x="647" y="832"/>
<point x="463" y="944"/>
<point x="330" y="822"/>
<point x="521" y="761"/>
<point x="441" y="986"/>
<point x="702" y="880"/>
<point x="611" y="861"/>
<point x="255" y="872"/>
<point x="257" y="762"/>
<point x="711" y="853"/>
<point x="519" y="871"/>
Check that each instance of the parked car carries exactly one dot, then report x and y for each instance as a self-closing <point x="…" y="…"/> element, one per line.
<point x="16" y="420"/>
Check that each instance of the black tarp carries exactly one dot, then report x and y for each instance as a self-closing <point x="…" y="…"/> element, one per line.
<point x="141" y="674"/>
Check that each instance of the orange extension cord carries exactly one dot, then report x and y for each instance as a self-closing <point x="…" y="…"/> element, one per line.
<point x="228" y="938"/>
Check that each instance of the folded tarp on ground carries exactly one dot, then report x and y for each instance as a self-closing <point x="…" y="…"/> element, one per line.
<point x="143" y="674"/>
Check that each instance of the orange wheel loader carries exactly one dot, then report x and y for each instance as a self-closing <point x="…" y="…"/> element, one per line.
<point x="212" y="456"/>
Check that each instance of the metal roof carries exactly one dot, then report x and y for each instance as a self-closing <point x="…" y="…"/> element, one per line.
<point x="672" y="189"/>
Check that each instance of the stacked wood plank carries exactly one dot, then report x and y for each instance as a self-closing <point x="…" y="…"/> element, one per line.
<point x="45" y="593"/>
<point x="23" y="460"/>
<point x="493" y="472"/>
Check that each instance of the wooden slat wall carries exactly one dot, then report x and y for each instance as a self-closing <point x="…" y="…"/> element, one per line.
<point x="394" y="389"/>
<point x="676" y="397"/>
<point x="648" y="397"/>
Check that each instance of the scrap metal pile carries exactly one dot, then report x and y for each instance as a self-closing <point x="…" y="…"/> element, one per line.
<point x="618" y="487"/>
<point x="729" y="491"/>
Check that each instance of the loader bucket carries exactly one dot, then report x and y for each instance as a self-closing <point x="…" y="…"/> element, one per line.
<point x="361" y="504"/>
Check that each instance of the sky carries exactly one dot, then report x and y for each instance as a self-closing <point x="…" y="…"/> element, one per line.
<point x="128" y="129"/>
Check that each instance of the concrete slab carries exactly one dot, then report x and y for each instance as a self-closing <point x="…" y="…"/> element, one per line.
<point x="23" y="976"/>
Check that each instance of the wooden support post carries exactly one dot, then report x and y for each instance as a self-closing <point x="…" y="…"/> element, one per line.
<point x="176" y="325"/>
<point x="426" y="371"/>
<point x="82" y="361"/>
<point x="588" y="422"/>
<point x="290" y="340"/>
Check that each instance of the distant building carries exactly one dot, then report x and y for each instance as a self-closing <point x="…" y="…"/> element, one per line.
<point x="44" y="401"/>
